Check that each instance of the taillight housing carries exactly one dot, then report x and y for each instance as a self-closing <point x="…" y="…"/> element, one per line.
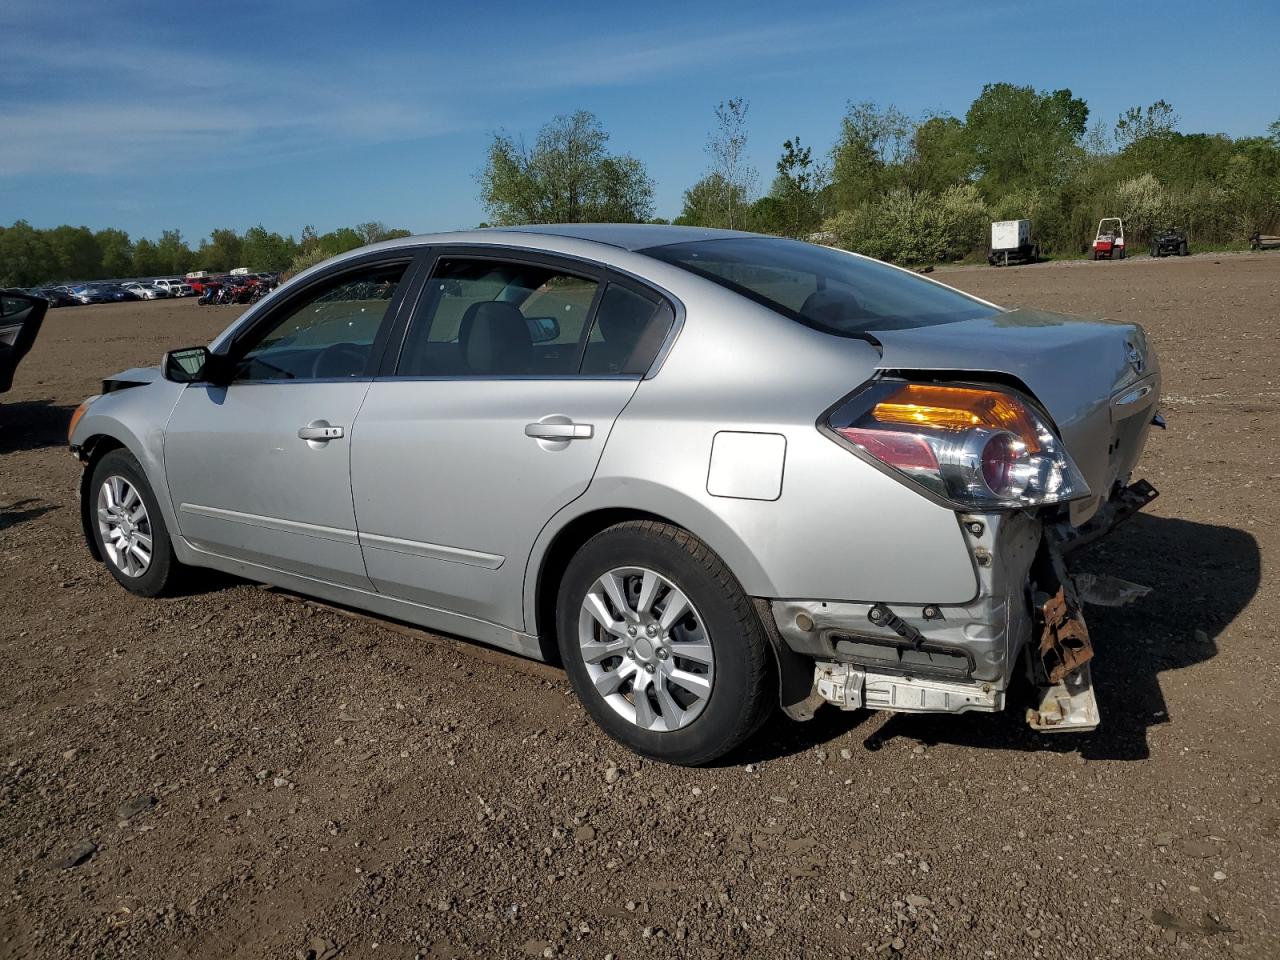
<point x="977" y="447"/>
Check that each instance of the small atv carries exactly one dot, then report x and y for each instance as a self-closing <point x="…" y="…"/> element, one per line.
<point x="1169" y="243"/>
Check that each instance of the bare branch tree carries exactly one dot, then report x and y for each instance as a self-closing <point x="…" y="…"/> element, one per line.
<point x="727" y="145"/>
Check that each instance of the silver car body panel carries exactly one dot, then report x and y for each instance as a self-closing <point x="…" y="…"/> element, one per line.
<point x="291" y="507"/>
<point x="445" y="526"/>
<point x="450" y="508"/>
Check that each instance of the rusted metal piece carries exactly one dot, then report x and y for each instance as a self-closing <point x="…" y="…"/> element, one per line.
<point x="1064" y="639"/>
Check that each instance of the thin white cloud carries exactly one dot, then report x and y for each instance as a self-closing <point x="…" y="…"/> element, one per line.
<point x="133" y="104"/>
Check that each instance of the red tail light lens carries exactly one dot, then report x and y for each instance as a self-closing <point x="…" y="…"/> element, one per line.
<point x="906" y="451"/>
<point x="974" y="446"/>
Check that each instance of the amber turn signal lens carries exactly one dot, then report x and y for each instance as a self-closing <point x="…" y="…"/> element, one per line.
<point x="958" y="408"/>
<point x="75" y="417"/>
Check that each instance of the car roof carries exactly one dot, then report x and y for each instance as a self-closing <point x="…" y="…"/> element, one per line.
<point x="628" y="236"/>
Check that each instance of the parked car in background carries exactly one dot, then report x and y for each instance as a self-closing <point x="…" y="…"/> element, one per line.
<point x="144" y="291"/>
<point x="185" y="290"/>
<point x="20" y="317"/>
<point x="56" y="296"/>
<point x="707" y="470"/>
<point x="99" y="293"/>
<point x="171" y="287"/>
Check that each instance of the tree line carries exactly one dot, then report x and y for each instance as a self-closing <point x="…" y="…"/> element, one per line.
<point x="31" y="256"/>
<point x="920" y="190"/>
<point x="907" y="190"/>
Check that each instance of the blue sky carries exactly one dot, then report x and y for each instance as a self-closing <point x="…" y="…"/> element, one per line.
<point x="148" y="115"/>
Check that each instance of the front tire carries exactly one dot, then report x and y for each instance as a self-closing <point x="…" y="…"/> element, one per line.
<point x="661" y="644"/>
<point x="129" y="528"/>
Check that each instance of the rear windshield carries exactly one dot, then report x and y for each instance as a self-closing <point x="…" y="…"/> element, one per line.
<point x="826" y="289"/>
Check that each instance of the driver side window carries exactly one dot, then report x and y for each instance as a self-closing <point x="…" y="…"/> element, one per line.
<point x="329" y="334"/>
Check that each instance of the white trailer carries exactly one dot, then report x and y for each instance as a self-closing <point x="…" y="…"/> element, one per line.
<point x="1011" y="243"/>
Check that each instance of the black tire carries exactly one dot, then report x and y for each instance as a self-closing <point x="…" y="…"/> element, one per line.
<point x="1182" y="249"/>
<point x="742" y="692"/>
<point x="163" y="572"/>
<point x="1155" y="251"/>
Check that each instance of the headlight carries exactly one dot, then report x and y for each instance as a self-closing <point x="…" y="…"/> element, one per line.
<point x="80" y="412"/>
<point x="976" y="447"/>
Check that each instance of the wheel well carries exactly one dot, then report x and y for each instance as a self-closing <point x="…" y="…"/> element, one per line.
<point x="91" y="451"/>
<point x="566" y="543"/>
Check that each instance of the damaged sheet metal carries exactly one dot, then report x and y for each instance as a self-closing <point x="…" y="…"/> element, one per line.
<point x="1067" y="706"/>
<point x="1115" y="511"/>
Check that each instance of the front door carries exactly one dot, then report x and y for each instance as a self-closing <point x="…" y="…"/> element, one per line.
<point x="493" y="418"/>
<point x="259" y="469"/>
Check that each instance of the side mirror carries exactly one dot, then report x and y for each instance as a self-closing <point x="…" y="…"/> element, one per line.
<point x="543" y="329"/>
<point x="188" y="365"/>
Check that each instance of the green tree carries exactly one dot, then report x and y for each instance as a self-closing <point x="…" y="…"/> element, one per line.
<point x="1020" y="137"/>
<point x="939" y="155"/>
<point x="1137" y="124"/>
<point x="797" y="192"/>
<point x="146" y="259"/>
<point x="117" y="252"/>
<point x="76" y="252"/>
<point x="871" y="145"/>
<point x="222" y="251"/>
<point x="25" y="257"/>
<point x="375" y="231"/>
<point x="263" y="250"/>
<point x="566" y="177"/>
<point x="704" y="202"/>
<point x="339" y="241"/>
<point x="173" y="254"/>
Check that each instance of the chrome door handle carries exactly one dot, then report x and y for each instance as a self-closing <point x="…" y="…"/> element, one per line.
<point x="318" y="431"/>
<point x="559" y="431"/>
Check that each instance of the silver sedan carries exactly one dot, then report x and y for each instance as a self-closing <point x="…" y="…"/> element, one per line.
<point x="709" y="472"/>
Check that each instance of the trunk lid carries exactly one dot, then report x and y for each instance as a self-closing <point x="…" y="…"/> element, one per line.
<point x="1097" y="379"/>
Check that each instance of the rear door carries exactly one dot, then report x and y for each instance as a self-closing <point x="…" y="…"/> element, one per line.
<point x="490" y="417"/>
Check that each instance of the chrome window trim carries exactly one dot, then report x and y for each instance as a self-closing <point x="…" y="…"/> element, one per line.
<point x="437" y="251"/>
<point x="495" y="378"/>
<point x="281" y="380"/>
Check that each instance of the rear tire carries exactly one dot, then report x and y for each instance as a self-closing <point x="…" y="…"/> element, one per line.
<point x="128" y="527"/>
<point x="638" y="576"/>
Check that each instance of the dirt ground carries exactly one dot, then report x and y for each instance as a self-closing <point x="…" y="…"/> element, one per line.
<point x="237" y="773"/>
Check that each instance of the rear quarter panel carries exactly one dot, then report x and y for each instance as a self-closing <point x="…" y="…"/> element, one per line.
<point x="840" y="529"/>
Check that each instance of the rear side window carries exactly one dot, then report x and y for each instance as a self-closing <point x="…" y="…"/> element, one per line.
<point x="629" y="330"/>
<point x="485" y="318"/>
<point x="826" y="289"/>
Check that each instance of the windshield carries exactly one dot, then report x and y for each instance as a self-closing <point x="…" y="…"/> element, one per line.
<point x="826" y="289"/>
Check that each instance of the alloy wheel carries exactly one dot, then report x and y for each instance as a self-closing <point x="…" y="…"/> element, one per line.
<point x="125" y="526"/>
<point x="646" y="649"/>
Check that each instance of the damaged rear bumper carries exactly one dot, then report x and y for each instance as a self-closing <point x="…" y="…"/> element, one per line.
<point x="934" y="658"/>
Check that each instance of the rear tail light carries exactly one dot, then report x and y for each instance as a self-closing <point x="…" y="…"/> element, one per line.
<point x="973" y="446"/>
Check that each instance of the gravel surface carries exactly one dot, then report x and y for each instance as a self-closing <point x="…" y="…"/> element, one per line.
<point x="241" y="773"/>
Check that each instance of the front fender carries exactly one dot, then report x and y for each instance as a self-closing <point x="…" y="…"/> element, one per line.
<point x="134" y="418"/>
